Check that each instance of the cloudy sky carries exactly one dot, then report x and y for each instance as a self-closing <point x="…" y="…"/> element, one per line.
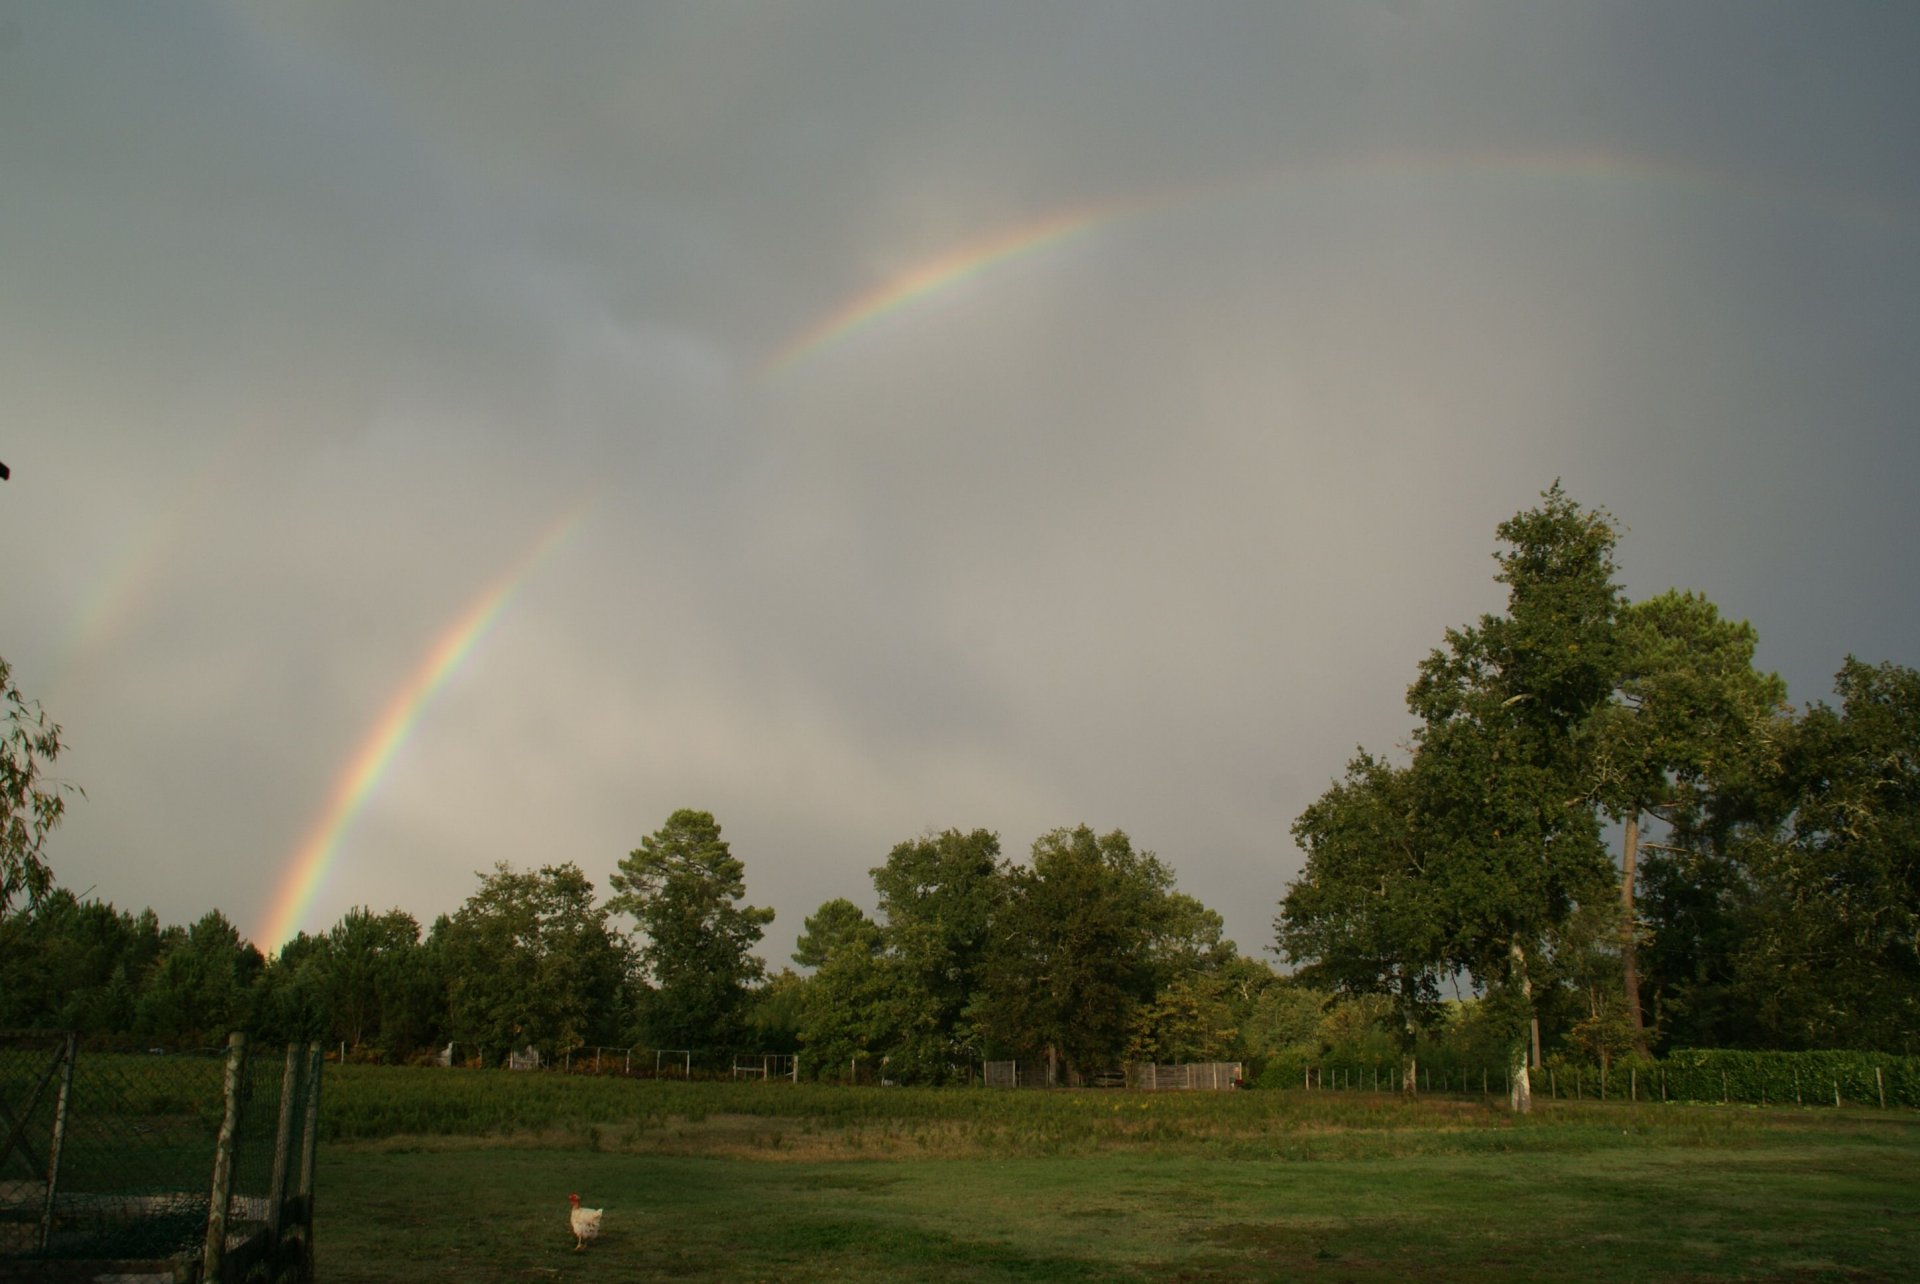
<point x="451" y="433"/>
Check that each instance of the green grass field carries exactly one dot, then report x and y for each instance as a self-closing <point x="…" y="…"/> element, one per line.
<point x="773" y="1182"/>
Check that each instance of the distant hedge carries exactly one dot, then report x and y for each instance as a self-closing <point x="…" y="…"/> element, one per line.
<point x="1689" y="1074"/>
<point x="1807" y="1078"/>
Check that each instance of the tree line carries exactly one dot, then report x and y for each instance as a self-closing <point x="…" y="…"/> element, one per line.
<point x="1766" y="893"/>
<point x="1608" y="835"/>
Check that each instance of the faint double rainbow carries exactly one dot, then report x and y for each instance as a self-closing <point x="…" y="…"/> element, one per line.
<point x="306" y="871"/>
<point x="1564" y="168"/>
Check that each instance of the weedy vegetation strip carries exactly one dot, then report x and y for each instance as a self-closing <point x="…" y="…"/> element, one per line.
<point x="372" y="1104"/>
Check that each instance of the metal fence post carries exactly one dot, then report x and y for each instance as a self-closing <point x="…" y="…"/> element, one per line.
<point x="216" y="1242"/>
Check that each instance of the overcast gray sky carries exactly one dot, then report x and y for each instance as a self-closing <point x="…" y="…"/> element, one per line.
<point x="1187" y="356"/>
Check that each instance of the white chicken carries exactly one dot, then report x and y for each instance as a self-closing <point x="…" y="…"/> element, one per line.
<point x="585" y="1222"/>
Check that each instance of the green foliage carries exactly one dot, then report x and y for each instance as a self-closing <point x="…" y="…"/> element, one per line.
<point x="778" y="1013"/>
<point x="684" y="885"/>
<point x="1088" y="934"/>
<point x="1473" y="857"/>
<point x="1690" y="711"/>
<point x="1363" y="916"/>
<point x="1834" y="954"/>
<point x="67" y="964"/>
<point x="200" y="988"/>
<point x="850" y="1021"/>
<point x="1188" y="1019"/>
<point x="1282" y="1020"/>
<point x="938" y="897"/>
<point x="368" y="981"/>
<point x="838" y="924"/>
<point x="30" y="805"/>
<point x="529" y="959"/>
<point x="1780" y="1078"/>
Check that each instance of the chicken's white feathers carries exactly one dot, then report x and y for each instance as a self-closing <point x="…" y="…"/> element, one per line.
<point x="584" y="1221"/>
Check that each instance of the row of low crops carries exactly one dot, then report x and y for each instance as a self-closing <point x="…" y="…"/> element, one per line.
<point x="368" y="1104"/>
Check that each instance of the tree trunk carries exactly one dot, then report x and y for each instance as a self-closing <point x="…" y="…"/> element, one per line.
<point x="1521" y="1093"/>
<point x="1409" y="1041"/>
<point x="1629" y="861"/>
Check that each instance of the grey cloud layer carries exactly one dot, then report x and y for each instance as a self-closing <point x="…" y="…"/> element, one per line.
<point x="317" y="314"/>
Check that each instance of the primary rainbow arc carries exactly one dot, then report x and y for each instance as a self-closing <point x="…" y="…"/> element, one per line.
<point x="310" y="863"/>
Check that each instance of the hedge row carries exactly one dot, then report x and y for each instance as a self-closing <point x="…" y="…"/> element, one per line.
<point x="1776" y="1078"/>
<point x="1709" y="1075"/>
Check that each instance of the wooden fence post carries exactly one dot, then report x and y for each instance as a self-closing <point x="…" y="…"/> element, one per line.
<point x="215" y="1248"/>
<point x="309" y="1146"/>
<point x="282" y="1149"/>
<point x="58" y="1141"/>
<point x="1881" y="1086"/>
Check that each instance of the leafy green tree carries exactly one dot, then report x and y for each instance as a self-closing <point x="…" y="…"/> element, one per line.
<point x="30" y="805"/>
<point x="684" y="887"/>
<point x="1358" y="1027"/>
<point x="364" y="975"/>
<point x="288" y="1003"/>
<point x="530" y="959"/>
<point x="200" y="988"/>
<point x="1511" y="839"/>
<point x="1079" y="946"/>
<point x="937" y="895"/>
<point x="778" y="1012"/>
<point x="1187" y="1019"/>
<point x="851" y="1008"/>
<point x="1689" y="714"/>
<point x="1696" y="898"/>
<point x="1363" y="916"/>
<point x="1831" y="954"/>
<point x="838" y="924"/>
<point x="847" y="1007"/>
<point x="1280" y="1022"/>
<point x="74" y="965"/>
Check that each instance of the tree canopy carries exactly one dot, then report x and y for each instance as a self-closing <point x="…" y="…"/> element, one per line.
<point x="684" y="887"/>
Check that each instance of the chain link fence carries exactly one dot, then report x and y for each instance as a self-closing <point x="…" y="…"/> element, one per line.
<point x="119" y="1166"/>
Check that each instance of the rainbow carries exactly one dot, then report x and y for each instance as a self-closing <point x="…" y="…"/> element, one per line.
<point x="311" y="861"/>
<point x="930" y="277"/>
<point x="139" y="573"/>
<point x="1590" y="166"/>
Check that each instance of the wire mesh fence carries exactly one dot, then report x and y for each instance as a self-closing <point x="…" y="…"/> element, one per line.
<point x="145" y="1167"/>
<point x="1186" y="1076"/>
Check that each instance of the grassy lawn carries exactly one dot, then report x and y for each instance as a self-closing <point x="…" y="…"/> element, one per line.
<point x="1243" y="1186"/>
